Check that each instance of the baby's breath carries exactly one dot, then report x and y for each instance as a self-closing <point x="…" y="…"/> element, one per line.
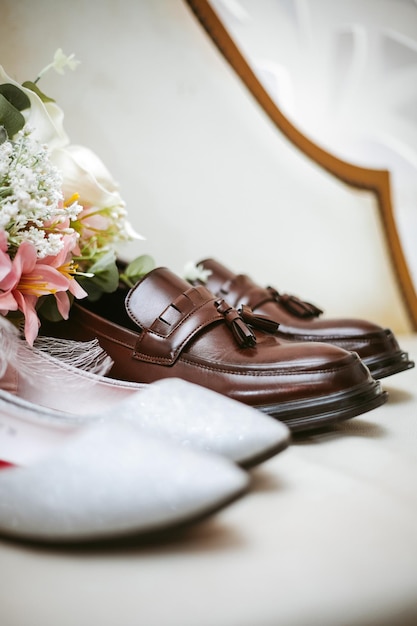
<point x="31" y="201"/>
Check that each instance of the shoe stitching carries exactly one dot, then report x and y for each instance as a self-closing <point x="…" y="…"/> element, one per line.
<point x="270" y="372"/>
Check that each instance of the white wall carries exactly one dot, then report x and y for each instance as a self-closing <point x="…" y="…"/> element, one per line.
<point x="202" y="170"/>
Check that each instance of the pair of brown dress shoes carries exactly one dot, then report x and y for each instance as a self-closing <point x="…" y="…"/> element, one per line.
<point x="271" y="351"/>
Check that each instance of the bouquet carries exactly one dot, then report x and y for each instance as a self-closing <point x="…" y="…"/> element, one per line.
<point x="61" y="214"/>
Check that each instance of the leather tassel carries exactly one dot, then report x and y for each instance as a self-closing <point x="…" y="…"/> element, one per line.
<point x="241" y="331"/>
<point x="258" y="321"/>
<point x="298" y="307"/>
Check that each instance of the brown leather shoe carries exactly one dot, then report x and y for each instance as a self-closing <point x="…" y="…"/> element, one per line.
<point x="167" y="328"/>
<point x="300" y="321"/>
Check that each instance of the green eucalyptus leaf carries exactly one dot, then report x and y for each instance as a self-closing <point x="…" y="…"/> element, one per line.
<point x="99" y="284"/>
<point x="103" y="262"/>
<point x="136" y="269"/>
<point x="3" y="135"/>
<point x="94" y="292"/>
<point x="140" y="266"/>
<point x="10" y="117"/>
<point x="105" y="278"/>
<point x="15" y="96"/>
<point x="47" y="308"/>
<point x="33" y="87"/>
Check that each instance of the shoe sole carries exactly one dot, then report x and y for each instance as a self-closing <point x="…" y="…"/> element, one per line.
<point x="314" y="413"/>
<point x="383" y="367"/>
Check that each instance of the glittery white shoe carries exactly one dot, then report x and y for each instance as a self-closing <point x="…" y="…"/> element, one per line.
<point x="183" y="412"/>
<point x="104" y="480"/>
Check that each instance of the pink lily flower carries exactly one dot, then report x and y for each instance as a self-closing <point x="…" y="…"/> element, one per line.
<point x="26" y="278"/>
<point x="63" y="264"/>
<point x="35" y="280"/>
<point x="8" y="278"/>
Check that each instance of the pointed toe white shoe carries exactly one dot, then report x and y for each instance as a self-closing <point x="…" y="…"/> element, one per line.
<point x="197" y="417"/>
<point x="103" y="481"/>
<point x="183" y="412"/>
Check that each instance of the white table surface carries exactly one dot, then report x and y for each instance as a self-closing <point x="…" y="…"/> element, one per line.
<point x="326" y="536"/>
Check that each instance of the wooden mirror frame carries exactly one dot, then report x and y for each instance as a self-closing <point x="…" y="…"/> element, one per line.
<point x="374" y="180"/>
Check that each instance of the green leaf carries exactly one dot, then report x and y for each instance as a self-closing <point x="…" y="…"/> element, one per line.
<point x="105" y="279"/>
<point x="47" y="308"/>
<point x="137" y="269"/>
<point x="33" y="87"/>
<point x="103" y="262"/>
<point x="10" y="117"/>
<point x="15" y="96"/>
<point x="3" y="135"/>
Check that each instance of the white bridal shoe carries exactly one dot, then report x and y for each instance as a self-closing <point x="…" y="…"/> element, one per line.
<point x="185" y="413"/>
<point x="85" y="461"/>
<point x="104" y="480"/>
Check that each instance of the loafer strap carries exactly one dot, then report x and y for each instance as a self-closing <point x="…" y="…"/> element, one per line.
<point x="189" y="314"/>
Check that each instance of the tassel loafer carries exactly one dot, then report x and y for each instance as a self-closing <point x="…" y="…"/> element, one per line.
<point x="165" y="328"/>
<point x="302" y="321"/>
